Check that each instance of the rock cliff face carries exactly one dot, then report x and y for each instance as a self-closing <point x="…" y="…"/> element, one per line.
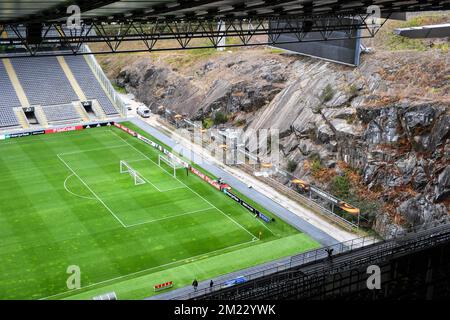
<point x="229" y="84"/>
<point x="388" y="121"/>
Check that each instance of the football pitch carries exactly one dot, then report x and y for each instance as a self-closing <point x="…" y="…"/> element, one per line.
<point x="64" y="202"/>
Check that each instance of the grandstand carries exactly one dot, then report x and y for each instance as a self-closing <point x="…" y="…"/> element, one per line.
<point x="44" y="81"/>
<point x="55" y="88"/>
<point x="89" y="84"/>
<point x="317" y="275"/>
<point x="58" y="113"/>
<point x="8" y="118"/>
<point x="8" y="95"/>
<point x="8" y="101"/>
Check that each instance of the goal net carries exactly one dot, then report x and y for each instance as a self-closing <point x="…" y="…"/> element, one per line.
<point x="126" y="168"/>
<point x="173" y="163"/>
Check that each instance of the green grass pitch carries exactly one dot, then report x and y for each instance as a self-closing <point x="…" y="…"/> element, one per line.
<point x="63" y="201"/>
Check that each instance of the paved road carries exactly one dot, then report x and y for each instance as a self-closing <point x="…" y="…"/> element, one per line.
<point x="302" y="225"/>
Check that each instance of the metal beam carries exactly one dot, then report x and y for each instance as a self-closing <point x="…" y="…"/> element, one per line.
<point x="433" y="31"/>
<point x="150" y="33"/>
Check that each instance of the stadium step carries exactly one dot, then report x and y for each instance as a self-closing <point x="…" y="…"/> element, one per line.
<point x="40" y="116"/>
<point x="16" y="83"/>
<point x="22" y="118"/>
<point x="81" y="111"/>
<point x="98" y="110"/>
<point x="73" y="82"/>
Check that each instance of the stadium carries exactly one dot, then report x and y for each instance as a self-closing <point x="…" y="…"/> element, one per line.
<point x="100" y="201"/>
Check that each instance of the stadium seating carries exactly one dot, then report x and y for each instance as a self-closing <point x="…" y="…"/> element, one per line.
<point x="59" y="113"/>
<point x="8" y="118"/>
<point x="44" y="81"/>
<point x="8" y="97"/>
<point x="45" y="84"/>
<point x="89" y="84"/>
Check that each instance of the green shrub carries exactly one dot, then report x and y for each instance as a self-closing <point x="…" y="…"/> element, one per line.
<point x="352" y="90"/>
<point x="207" y="123"/>
<point x="240" y="123"/>
<point x="291" y="165"/>
<point x="340" y="187"/>
<point x="327" y="93"/>
<point x="220" y="117"/>
<point x="316" y="166"/>
<point x="119" y="89"/>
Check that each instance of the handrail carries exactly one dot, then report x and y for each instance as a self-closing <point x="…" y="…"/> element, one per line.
<point x="402" y="241"/>
<point x="117" y="100"/>
<point x="312" y="204"/>
<point x="294" y="261"/>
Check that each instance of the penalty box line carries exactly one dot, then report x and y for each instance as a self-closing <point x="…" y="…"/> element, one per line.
<point x="170" y="217"/>
<point x="112" y="212"/>
<point x="92" y="191"/>
<point x="123" y="145"/>
<point x="226" y="215"/>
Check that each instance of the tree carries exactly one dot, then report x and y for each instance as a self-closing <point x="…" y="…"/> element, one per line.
<point x="341" y="187"/>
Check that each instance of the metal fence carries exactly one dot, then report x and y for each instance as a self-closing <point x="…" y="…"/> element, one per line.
<point x="294" y="261"/>
<point x="310" y="203"/>
<point x="98" y="71"/>
<point x="403" y="241"/>
<point x="306" y="201"/>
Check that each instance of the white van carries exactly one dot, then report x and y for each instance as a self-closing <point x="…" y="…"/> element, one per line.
<point x="143" y="111"/>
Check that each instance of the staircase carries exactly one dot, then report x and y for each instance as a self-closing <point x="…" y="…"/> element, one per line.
<point x="22" y="118"/>
<point x="98" y="110"/>
<point x="81" y="111"/>
<point x="73" y="82"/>
<point x="40" y="116"/>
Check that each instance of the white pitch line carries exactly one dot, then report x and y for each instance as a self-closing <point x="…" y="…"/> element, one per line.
<point x="72" y="193"/>
<point x="114" y="147"/>
<point x="187" y="260"/>
<point x="167" y="218"/>
<point x="165" y="190"/>
<point x="95" y="195"/>
<point x="148" y="181"/>
<point x="237" y="223"/>
<point x="94" y="149"/>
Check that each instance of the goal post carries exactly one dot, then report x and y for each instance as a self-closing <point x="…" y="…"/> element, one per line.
<point x="172" y="163"/>
<point x="126" y="168"/>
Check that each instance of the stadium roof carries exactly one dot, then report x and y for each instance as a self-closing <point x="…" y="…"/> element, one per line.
<point x="26" y="11"/>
